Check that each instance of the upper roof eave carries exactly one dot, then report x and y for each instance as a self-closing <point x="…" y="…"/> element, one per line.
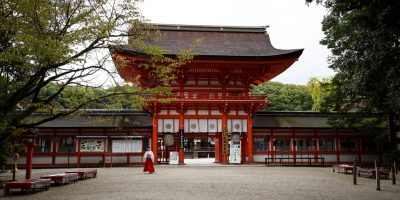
<point x="284" y="54"/>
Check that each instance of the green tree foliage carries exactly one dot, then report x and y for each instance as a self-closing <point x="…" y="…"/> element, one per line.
<point x="364" y="37"/>
<point x="47" y="46"/>
<point x="321" y="91"/>
<point x="285" y="97"/>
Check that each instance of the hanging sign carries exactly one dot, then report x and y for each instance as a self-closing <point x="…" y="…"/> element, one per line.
<point x="225" y="140"/>
<point x="181" y="139"/>
<point x="92" y="145"/>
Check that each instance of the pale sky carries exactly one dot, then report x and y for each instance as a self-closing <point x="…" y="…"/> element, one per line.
<point x="292" y="24"/>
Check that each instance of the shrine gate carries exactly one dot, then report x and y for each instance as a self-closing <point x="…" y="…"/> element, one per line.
<point x="213" y="105"/>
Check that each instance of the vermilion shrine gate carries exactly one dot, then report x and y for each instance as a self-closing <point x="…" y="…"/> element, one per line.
<point x="213" y="99"/>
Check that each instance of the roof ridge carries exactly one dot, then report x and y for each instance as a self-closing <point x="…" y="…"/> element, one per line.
<point x="212" y="28"/>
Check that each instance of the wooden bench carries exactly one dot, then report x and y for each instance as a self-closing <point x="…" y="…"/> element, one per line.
<point x="310" y="161"/>
<point x="343" y="168"/>
<point x="84" y="173"/>
<point x="62" y="178"/>
<point x="26" y="185"/>
<point x="371" y="172"/>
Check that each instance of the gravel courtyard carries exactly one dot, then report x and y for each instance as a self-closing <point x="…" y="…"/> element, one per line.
<point x="215" y="182"/>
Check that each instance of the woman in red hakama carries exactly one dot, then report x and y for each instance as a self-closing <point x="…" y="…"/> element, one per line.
<point x="148" y="158"/>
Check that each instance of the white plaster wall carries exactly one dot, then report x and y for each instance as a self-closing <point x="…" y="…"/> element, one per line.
<point x="329" y="158"/>
<point x="176" y="125"/>
<point x="190" y="112"/>
<point x="202" y="112"/>
<point x="163" y="112"/>
<point x="347" y="158"/>
<point x="215" y="112"/>
<point x="91" y="159"/>
<point x="119" y="159"/>
<point x="259" y="158"/>
<point x="64" y="159"/>
<point x="41" y="160"/>
<point x="136" y="159"/>
<point x="369" y="157"/>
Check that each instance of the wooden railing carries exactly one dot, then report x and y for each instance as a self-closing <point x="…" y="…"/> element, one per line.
<point x="214" y="96"/>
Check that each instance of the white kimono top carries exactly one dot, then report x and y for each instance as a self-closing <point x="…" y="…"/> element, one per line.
<point x="148" y="154"/>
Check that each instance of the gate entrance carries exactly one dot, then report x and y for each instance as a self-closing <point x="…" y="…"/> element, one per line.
<point x="196" y="145"/>
<point x="200" y="145"/>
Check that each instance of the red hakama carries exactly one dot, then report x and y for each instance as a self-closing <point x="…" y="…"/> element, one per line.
<point x="148" y="166"/>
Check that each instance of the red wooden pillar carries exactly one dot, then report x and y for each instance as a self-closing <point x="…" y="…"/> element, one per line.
<point x="250" y="137"/>
<point x="181" y="150"/>
<point x="224" y="158"/>
<point x="358" y="148"/>
<point x="315" y="141"/>
<point x="217" y="147"/>
<point x="271" y="145"/>
<point x="337" y="140"/>
<point x="294" y="145"/>
<point x="53" y="151"/>
<point x="154" y="138"/>
<point x="29" y="155"/>
<point x="244" y="147"/>
<point x="79" y="153"/>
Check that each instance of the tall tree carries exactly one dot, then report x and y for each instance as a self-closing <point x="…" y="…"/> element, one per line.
<point x="320" y="91"/>
<point x="285" y="97"/>
<point x="65" y="42"/>
<point x="364" y="37"/>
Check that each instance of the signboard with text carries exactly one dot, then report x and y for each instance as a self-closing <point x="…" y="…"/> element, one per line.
<point x="225" y="140"/>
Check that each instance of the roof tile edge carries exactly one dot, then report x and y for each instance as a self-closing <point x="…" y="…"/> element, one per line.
<point x="212" y="28"/>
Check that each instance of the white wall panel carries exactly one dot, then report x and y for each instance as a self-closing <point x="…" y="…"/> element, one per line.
<point x="64" y="159"/>
<point x="212" y="126"/>
<point x="244" y="124"/>
<point x="163" y="112"/>
<point x="203" y="125"/>
<point x="347" y="158"/>
<point x="160" y="125"/>
<point x="237" y="125"/>
<point x="202" y="112"/>
<point x="329" y="158"/>
<point x="119" y="159"/>
<point x="229" y="126"/>
<point x="194" y="125"/>
<point x="41" y="160"/>
<point x="190" y="112"/>
<point x="215" y="112"/>
<point x="219" y="125"/>
<point x="136" y="159"/>
<point x="186" y="125"/>
<point x="168" y="125"/>
<point x="91" y="159"/>
<point x="176" y="125"/>
<point x="369" y="157"/>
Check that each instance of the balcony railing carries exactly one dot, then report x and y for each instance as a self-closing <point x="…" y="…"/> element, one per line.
<point x="212" y="96"/>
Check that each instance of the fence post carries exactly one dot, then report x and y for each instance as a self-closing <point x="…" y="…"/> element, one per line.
<point x="377" y="176"/>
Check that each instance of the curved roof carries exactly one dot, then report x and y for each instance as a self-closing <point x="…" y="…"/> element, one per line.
<point x="220" y="41"/>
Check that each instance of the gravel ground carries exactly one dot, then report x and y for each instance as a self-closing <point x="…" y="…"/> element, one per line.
<point x="214" y="182"/>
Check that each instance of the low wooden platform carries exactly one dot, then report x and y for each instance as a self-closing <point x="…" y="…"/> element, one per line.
<point x="84" y="173"/>
<point x="371" y="172"/>
<point x="26" y="185"/>
<point x="343" y="168"/>
<point x="62" y="178"/>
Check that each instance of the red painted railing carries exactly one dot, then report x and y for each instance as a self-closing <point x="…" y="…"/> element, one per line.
<point x="205" y="96"/>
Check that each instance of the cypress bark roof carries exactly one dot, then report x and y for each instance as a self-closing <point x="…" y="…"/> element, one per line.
<point x="217" y="41"/>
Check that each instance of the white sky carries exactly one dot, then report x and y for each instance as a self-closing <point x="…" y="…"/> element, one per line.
<point x="292" y="25"/>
